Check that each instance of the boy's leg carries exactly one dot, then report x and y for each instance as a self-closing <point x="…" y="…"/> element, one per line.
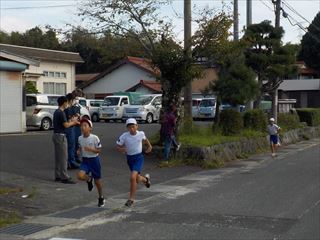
<point x="57" y="169"/>
<point x="133" y="184"/>
<point x="141" y="179"/>
<point x="98" y="184"/>
<point x="83" y="176"/>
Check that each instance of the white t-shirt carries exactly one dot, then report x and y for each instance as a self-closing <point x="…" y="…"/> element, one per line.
<point x="90" y="141"/>
<point x="273" y="129"/>
<point x="133" y="143"/>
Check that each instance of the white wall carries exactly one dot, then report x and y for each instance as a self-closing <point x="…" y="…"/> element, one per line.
<point x="121" y="79"/>
<point x="12" y="119"/>
<point x="53" y="66"/>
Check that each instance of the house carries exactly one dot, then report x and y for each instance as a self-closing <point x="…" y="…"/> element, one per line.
<point x="81" y="79"/>
<point x="306" y="92"/>
<point x="120" y="76"/>
<point x="56" y="71"/>
<point x="12" y="100"/>
<point x="305" y="87"/>
<point x="198" y="85"/>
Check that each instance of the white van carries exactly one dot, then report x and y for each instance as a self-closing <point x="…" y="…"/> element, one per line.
<point x="195" y="107"/>
<point x="112" y="107"/>
<point x="207" y="108"/>
<point x="40" y="109"/>
<point x="145" y="108"/>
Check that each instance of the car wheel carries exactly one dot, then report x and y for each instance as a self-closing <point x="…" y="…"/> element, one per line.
<point x="95" y="118"/>
<point x="149" y="118"/>
<point x="46" y="124"/>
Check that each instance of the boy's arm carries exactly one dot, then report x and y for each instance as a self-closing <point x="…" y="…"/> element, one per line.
<point x="92" y="149"/>
<point x="147" y="143"/>
<point x="121" y="148"/>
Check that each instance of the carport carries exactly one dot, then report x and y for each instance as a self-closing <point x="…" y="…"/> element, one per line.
<point x="12" y="94"/>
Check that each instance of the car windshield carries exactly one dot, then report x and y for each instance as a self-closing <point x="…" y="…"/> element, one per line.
<point x="144" y="100"/>
<point x="111" y="101"/>
<point x="207" y="103"/>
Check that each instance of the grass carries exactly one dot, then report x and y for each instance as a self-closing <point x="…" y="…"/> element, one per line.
<point x="9" y="217"/>
<point x="204" y="136"/>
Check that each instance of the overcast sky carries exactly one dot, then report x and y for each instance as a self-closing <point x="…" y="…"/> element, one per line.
<point x="27" y="16"/>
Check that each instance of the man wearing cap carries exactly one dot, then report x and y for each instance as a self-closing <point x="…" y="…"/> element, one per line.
<point x="273" y="130"/>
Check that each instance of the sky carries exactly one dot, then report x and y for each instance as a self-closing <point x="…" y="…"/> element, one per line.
<point x="28" y="14"/>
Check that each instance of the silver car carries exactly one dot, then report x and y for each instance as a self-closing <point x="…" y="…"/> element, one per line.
<point x="40" y="109"/>
<point x="207" y="108"/>
<point x="146" y="108"/>
<point x="93" y="106"/>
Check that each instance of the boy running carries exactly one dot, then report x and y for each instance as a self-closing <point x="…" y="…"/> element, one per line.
<point x="130" y="143"/>
<point x="273" y="131"/>
<point x="90" y="168"/>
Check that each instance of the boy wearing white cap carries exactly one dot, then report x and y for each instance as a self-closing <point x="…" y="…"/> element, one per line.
<point x="130" y="143"/>
<point x="90" y="168"/>
<point x="273" y="130"/>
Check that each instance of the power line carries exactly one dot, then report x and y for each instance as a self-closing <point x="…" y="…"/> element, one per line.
<point x="266" y="5"/>
<point x="37" y="7"/>
<point x="294" y="11"/>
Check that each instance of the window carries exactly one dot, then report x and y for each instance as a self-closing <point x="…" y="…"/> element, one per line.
<point x="51" y="74"/>
<point x="96" y="103"/>
<point x="124" y="101"/>
<point x="83" y="102"/>
<point x="57" y="74"/>
<point x="54" y="88"/>
<point x="63" y="75"/>
<point x="46" y="73"/>
<point x="31" y="101"/>
<point x="53" y="100"/>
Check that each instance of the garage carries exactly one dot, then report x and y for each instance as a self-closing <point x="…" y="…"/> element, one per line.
<point x="12" y="104"/>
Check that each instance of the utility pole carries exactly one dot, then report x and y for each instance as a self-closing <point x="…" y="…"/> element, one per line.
<point x="277" y="4"/>
<point x="187" y="47"/>
<point x="249" y="12"/>
<point x="235" y="20"/>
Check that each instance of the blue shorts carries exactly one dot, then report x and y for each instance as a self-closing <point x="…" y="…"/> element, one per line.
<point x="274" y="139"/>
<point x="135" y="162"/>
<point x="91" y="165"/>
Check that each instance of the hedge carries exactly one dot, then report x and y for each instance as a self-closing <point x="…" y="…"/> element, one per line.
<point x="255" y="119"/>
<point x="231" y="122"/>
<point x="288" y="121"/>
<point x="309" y="115"/>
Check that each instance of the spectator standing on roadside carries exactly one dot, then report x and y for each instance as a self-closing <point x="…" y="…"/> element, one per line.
<point x="168" y="132"/>
<point x="70" y="133"/>
<point x="77" y="130"/>
<point x="60" y="123"/>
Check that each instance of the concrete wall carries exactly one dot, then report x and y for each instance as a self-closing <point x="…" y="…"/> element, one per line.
<point x="121" y="79"/>
<point x="12" y="116"/>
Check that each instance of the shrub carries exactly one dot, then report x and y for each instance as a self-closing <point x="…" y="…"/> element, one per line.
<point x="255" y="119"/>
<point x="231" y="122"/>
<point x="288" y="121"/>
<point x="309" y="115"/>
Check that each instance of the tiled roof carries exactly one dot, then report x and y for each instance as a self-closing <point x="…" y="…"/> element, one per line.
<point x="42" y="54"/>
<point x="86" y="77"/>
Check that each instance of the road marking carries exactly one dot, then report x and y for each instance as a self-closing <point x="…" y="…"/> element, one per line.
<point x="24" y="134"/>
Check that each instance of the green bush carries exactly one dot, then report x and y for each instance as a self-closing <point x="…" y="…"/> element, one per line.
<point x="288" y="121"/>
<point x="309" y="115"/>
<point x="255" y="119"/>
<point x="231" y="122"/>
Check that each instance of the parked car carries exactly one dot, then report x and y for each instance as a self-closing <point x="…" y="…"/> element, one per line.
<point x="112" y="107"/>
<point x="207" y="108"/>
<point x="40" y="109"/>
<point x="195" y="107"/>
<point x="145" y="108"/>
<point x="93" y="106"/>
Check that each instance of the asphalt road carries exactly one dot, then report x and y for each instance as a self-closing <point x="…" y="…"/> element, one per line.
<point x="263" y="198"/>
<point x="27" y="162"/>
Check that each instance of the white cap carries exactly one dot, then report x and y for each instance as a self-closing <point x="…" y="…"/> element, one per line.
<point x="131" y="121"/>
<point x="87" y="121"/>
<point x="272" y="120"/>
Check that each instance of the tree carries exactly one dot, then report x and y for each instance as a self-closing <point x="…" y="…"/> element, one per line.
<point x="140" y="20"/>
<point x="267" y="57"/>
<point x="31" y="88"/>
<point x="310" y="44"/>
